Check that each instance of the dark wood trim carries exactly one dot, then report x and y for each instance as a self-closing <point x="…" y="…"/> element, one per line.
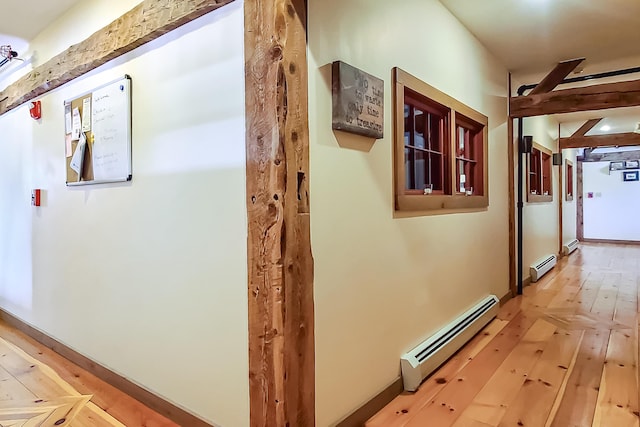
<point x="614" y="242"/>
<point x="359" y="417"/>
<point x="511" y="171"/>
<point x="154" y="402"/>
<point x="568" y="168"/>
<point x="611" y="140"/>
<point x="506" y="298"/>
<point x="611" y="157"/>
<point x="580" y="205"/>
<point x="595" y="97"/>
<point x="142" y="24"/>
<point x="560" y="203"/>
<point x="556" y="76"/>
<point x="280" y="263"/>
<point x="589" y="124"/>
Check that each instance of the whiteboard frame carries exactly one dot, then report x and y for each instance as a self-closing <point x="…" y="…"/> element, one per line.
<point x="129" y="176"/>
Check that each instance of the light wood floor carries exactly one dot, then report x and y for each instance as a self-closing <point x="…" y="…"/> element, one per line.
<point x="565" y="354"/>
<point x="39" y="388"/>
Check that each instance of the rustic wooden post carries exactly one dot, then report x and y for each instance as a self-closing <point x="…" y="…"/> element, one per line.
<point x="281" y="331"/>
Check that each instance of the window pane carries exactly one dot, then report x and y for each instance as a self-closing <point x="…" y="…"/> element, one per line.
<point x="408" y="168"/>
<point x="421" y="168"/>
<point x="419" y="120"/>
<point x="434" y="132"/>
<point x="435" y="177"/>
<point x="407" y="125"/>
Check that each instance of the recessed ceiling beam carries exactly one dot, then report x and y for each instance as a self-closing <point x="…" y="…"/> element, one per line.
<point x="556" y="76"/>
<point x="596" y="97"/>
<point x="142" y="24"/>
<point x="586" y="128"/>
<point x="612" y="140"/>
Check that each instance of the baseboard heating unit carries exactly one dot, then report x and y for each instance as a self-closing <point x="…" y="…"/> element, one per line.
<point x="429" y="355"/>
<point x="569" y="247"/>
<point x="542" y="266"/>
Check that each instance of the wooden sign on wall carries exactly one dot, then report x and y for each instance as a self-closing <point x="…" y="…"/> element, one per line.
<point x="358" y="101"/>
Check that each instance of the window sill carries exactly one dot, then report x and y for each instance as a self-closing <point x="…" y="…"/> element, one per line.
<point x="440" y="203"/>
<point x="537" y="198"/>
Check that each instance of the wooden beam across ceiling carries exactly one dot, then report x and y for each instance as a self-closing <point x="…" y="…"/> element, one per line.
<point x="556" y="76"/>
<point x="616" y="156"/>
<point x="590" y="124"/>
<point x="612" y="140"/>
<point x="142" y="24"/>
<point x="596" y="97"/>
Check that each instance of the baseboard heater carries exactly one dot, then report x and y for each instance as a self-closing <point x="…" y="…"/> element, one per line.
<point x="542" y="266"/>
<point x="429" y="355"/>
<point x="569" y="247"/>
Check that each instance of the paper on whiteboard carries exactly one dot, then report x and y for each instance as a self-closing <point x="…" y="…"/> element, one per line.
<point x="67" y="119"/>
<point x="78" y="155"/>
<point x="76" y="125"/>
<point x="109" y="112"/>
<point x="67" y="142"/>
<point x="86" y="115"/>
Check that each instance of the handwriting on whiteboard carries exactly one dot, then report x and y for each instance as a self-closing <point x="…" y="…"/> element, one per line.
<point x="110" y="126"/>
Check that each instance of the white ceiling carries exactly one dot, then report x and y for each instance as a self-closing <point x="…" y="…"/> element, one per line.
<point x="22" y="20"/>
<point x="531" y="36"/>
<point x="26" y="18"/>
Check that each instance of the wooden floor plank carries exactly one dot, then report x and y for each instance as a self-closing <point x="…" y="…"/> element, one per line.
<point x="404" y="406"/>
<point x="497" y="394"/>
<point x="587" y="373"/>
<point x="618" y="395"/>
<point x="450" y="402"/>
<point x="534" y="401"/>
<point x="105" y="397"/>
<point x="578" y="403"/>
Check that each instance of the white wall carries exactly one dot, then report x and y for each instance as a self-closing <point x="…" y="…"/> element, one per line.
<point x="148" y="277"/>
<point x="385" y="281"/>
<point x="612" y="212"/>
<point x="540" y="220"/>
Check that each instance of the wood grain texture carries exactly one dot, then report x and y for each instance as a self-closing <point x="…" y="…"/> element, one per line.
<point x="142" y="24"/>
<point x="580" y="204"/>
<point x="611" y="140"/>
<point x="281" y="334"/>
<point x="596" y="97"/>
<point x="611" y="157"/>
<point x="122" y="396"/>
<point x="556" y="76"/>
<point x="52" y="401"/>
<point x="511" y="185"/>
<point x="589" y="124"/>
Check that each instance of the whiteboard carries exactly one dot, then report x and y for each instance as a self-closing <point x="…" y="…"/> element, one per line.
<point x="110" y="134"/>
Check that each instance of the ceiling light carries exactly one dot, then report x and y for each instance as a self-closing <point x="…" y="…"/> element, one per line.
<point x="605" y="128"/>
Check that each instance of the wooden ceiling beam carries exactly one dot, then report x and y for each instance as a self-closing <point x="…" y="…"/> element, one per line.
<point x="142" y="24"/>
<point x="590" y="124"/>
<point x="617" y="156"/>
<point x="612" y="140"/>
<point x="556" y="76"/>
<point x="596" y="97"/>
